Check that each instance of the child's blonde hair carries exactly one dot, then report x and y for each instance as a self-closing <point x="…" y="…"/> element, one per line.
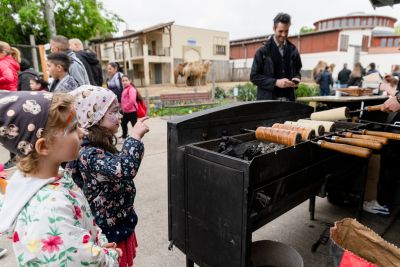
<point x="7" y="49"/>
<point x="60" y="109"/>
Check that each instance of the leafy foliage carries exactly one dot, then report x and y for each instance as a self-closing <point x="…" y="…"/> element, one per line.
<point x="305" y="29"/>
<point x="83" y="19"/>
<point x="307" y="90"/>
<point x="247" y="92"/>
<point x="219" y="93"/>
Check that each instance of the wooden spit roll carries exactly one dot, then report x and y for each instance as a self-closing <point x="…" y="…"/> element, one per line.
<point x="358" y="142"/>
<point x="379" y="139"/>
<point x="331" y="114"/>
<point x="319" y="129"/>
<point x="387" y="135"/>
<point x="328" y="125"/>
<point x="346" y="149"/>
<point x="279" y="136"/>
<point x="374" y="108"/>
<point x="306" y="133"/>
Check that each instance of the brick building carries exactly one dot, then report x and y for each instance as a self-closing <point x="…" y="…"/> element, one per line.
<point x="356" y="37"/>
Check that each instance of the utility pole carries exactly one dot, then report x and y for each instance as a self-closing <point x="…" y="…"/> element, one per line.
<point x="49" y="13"/>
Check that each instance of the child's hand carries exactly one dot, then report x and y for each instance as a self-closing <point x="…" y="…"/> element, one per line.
<point x="113" y="245"/>
<point x="140" y="128"/>
<point x="110" y="245"/>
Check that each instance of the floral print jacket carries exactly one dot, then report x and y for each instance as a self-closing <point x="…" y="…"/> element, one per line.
<point x="54" y="227"/>
<point x="107" y="182"/>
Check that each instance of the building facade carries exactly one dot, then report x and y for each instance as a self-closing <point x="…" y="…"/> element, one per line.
<point x="149" y="56"/>
<point x="357" y="37"/>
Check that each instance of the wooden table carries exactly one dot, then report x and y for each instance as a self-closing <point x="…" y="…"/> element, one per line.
<point x="352" y="102"/>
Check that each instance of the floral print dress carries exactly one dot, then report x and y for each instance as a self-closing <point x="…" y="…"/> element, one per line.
<point x="54" y="227"/>
<point x="107" y="182"/>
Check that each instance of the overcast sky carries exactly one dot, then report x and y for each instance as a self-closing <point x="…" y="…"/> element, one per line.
<point x="245" y="18"/>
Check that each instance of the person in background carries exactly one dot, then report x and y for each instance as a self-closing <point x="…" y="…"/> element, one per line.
<point x="372" y="69"/>
<point x="104" y="173"/>
<point x="277" y="64"/>
<point x="39" y="84"/>
<point x="396" y="72"/>
<point x="114" y="81"/>
<point x="46" y="216"/>
<point x="128" y="105"/>
<point x="344" y="76"/>
<point x="25" y="75"/>
<point x="60" y="44"/>
<point x="325" y="82"/>
<point x="393" y="103"/>
<point x="57" y="66"/>
<point x="89" y="60"/>
<point x="10" y="57"/>
<point x="356" y="75"/>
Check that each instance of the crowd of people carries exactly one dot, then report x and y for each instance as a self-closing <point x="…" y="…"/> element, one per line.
<point x="77" y="189"/>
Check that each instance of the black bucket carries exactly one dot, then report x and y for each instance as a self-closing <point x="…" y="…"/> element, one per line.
<point x="267" y="253"/>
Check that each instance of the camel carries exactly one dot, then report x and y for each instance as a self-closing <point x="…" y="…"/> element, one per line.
<point x="195" y="73"/>
<point x="179" y="71"/>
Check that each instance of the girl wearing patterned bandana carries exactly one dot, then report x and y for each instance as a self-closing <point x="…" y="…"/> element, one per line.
<point x="47" y="217"/>
<point x="104" y="173"/>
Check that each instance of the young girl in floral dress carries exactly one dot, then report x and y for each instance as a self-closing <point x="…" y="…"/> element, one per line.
<point x="46" y="216"/>
<point x="104" y="173"/>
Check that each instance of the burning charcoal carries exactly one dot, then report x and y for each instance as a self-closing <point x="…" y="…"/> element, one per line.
<point x="251" y="152"/>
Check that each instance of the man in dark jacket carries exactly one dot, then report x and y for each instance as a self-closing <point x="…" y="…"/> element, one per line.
<point x="277" y="64"/>
<point x="344" y="76"/>
<point x="325" y="81"/>
<point x="25" y="75"/>
<point x="89" y="60"/>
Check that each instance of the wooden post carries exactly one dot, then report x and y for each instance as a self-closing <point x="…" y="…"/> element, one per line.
<point x="43" y="62"/>
<point x="213" y="84"/>
<point x="34" y="53"/>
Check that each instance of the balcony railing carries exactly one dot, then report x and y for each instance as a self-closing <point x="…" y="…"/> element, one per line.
<point x="160" y="51"/>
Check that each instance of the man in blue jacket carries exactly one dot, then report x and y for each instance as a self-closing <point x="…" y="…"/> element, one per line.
<point x="325" y="81"/>
<point x="277" y="64"/>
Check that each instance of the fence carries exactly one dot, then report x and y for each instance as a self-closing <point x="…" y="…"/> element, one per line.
<point x="32" y="54"/>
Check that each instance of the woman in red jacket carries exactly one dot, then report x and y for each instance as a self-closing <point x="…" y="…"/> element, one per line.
<point x="10" y="57"/>
<point x="9" y="67"/>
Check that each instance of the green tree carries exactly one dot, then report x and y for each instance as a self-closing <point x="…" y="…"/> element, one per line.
<point x="305" y="29"/>
<point x="83" y="19"/>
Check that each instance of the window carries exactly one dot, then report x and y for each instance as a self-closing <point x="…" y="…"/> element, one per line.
<point x="365" y="41"/>
<point x="357" y="22"/>
<point x="344" y="42"/>
<point x="390" y="42"/>
<point x="351" y="23"/>
<point x="330" y="23"/>
<point x="363" y="22"/>
<point x="396" y="42"/>
<point x="383" y="42"/>
<point x="380" y="22"/>
<point x="220" y="45"/>
<point x="344" y="23"/>
<point x="220" y="50"/>
<point x="375" y="21"/>
<point x="337" y="23"/>
<point x="323" y="25"/>
<point x="370" y="22"/>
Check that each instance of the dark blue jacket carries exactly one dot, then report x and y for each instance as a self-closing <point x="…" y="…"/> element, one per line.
<point x="325" y="79"/>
